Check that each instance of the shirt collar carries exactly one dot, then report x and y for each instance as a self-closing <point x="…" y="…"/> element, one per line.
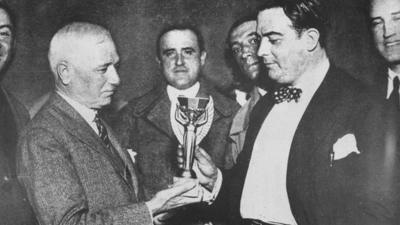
<point x="87" y="113"/>
<point x="173" y="93"/>
<point x="392" y="74"/>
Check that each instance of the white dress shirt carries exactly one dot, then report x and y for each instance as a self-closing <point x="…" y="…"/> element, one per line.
<point x="390" y="77"/>
<point x="264" y="195"/>
<point x="87" y="113"/>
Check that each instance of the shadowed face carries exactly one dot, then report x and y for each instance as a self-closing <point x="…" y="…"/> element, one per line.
<point x="385" y="22"/>
<point x="244" y="42"/>
<point x="6" y="39"/>
<point x="282" y="49"/>
<point x="94" y="76"/>
<point x="181" y="58"/>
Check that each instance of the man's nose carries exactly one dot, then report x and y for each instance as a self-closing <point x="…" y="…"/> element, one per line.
<point x="179" y="60"/>
<point x="113" y="77"/>
<point x="389" y="28"/>
<point x="264" y="49"/>
<point x="246" y="51"/>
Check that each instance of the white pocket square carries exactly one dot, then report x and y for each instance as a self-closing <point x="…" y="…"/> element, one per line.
<point x="344" y="146"/>
<point x="132" y="154"/>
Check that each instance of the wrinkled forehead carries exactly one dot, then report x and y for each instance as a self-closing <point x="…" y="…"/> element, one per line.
<point x="384" y="7"/>
<point x="177" y="39"/>
<point x="244" y="30"/>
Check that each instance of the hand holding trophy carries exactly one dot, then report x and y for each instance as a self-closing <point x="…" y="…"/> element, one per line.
<point x="191" y="122"/>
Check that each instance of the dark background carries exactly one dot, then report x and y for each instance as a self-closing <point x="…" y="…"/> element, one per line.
<point x="135" y="24"/>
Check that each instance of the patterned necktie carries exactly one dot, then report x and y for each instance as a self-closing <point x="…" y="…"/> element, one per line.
<point x="394" y="96"/>
<point x="103" y="134"/>
<point x="287" y="93"/>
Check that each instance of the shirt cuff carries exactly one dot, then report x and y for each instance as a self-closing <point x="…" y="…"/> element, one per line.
<point x="210" y="197"/>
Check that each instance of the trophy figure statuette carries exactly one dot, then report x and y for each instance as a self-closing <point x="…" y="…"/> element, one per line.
<point x="193" y="115"/>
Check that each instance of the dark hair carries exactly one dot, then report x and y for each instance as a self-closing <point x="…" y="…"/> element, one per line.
<point x="304" y="14"/>
<point x="181" y="27"/>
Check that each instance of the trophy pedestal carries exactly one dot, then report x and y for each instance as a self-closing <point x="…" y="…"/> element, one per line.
<point x="187" y="174"/>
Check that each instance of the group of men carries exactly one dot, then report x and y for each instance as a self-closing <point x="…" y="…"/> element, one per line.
<point x="309" y="146"/>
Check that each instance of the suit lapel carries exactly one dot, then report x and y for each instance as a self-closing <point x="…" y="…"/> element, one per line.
<point x="78" y="127"/>
<point x="159" y="114"/>
<point x="318" y="120"/>
<point x="125" y="157"/>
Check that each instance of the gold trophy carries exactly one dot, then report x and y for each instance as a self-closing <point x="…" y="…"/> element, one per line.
<point x="193" y="115"/>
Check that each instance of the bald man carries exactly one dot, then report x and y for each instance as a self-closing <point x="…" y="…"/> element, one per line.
<point x="69" y="161"/>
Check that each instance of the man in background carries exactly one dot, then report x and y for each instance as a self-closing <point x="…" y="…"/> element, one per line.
<point x="14" y="206"/>
<point x="385" y="25"/>
<point x="243" y="42"/>
<point x="72" y="166"/>
<point x="144" y="125"/>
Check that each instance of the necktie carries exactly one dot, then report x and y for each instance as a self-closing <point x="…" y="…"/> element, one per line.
<point x="103" y="134"/>
<point x="394" y="96"/>
<point x="287" y="93"/>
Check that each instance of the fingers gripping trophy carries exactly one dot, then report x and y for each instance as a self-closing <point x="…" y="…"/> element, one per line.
<point x="191" y="122"/>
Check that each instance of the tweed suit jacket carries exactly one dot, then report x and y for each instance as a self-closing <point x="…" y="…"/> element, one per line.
<point x="356" y="189"/>
<point x="70" y="175"/>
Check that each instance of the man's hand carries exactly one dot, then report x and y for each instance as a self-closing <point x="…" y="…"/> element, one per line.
<point x="203" y="166"/>
<point x="205" y="169"/>
<point x="173" y="197"/>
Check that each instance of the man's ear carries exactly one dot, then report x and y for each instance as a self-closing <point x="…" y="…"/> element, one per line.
<point x="64" y="72"/>
<point x="311" y="38"/>
<point x="203" y="57"/>
<point x="158" y="61"/>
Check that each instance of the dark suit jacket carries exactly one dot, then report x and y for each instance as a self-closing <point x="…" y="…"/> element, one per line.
<point x="358" y="189"/>
<point x="144" y="125"/>
<point x="14" y="206"/>
<point x="70" y="175"/>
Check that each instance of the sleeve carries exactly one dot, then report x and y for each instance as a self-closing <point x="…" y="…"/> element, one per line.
<point x="54" y="188"/>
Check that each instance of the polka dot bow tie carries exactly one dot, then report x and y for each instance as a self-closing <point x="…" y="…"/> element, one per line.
<point x="287" y="93"/>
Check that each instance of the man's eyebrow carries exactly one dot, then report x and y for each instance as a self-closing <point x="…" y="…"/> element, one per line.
<point x="167" y="50"/>
<point x="189" y="48"/>
<point x="395" y="13"/>
<point x="252" y="34"/>
<point x="6" y="26"/>
<point x="271" y="33"/>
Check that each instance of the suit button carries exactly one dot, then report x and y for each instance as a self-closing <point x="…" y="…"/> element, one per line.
<point x="6" y="179"/>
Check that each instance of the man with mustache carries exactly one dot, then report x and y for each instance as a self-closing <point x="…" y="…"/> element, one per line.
<point x="317" y="150"/>
<point x="145" y="123"/>
<point x="14" y="206"/>
<point x="71" y="164"/>
<point x="385" y="25"/>
<point x="243" y="42"/>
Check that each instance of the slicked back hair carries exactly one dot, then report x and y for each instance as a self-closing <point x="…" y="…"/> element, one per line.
<point x="304" y="14"/>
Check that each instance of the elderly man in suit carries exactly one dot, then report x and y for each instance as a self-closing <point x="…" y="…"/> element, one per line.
<point x="145" y="123"/>
<point x="14" y="206"/>
<point x="385" y="25"/>
<point x="317" y="150"/>
<point x="69" y="161"/>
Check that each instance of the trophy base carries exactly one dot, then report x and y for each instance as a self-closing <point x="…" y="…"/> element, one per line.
<point x="187" y="174"/>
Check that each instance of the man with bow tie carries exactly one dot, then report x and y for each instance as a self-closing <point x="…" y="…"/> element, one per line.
<point x="73" y="168"/>
<point x="314" y="151"/>
<point x="385" y="26"/>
